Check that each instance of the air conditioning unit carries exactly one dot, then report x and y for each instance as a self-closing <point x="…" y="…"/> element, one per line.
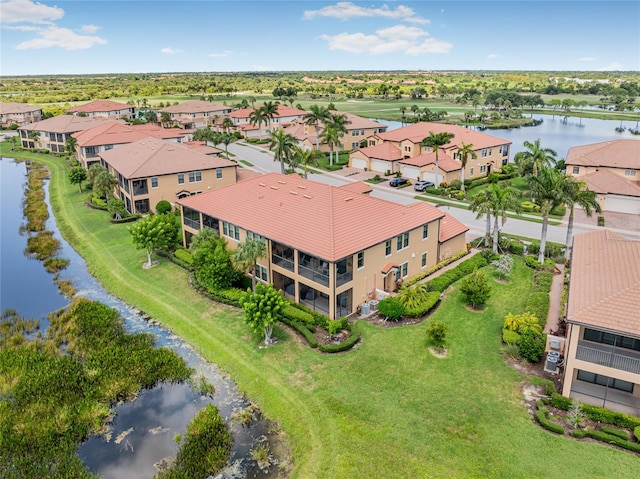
<point x="551" y="364"/>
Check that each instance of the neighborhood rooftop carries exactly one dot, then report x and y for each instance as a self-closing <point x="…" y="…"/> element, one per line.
<point x="612" y="154"/>
<point x="99" y="106"/>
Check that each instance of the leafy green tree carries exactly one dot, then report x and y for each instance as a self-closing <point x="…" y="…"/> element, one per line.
<point x="534" y="158"/>
<point x="315" y="116"/>
<point x="212" y="263"/>
<point x="77" y="175"/>
<point x="333" y="326"/>
<point x="577" y="193"/>
<point x="247" y="254"/>
<point x="153" y="232"/>
<point x="70" y="146"/>
<point x="165" y="118"/>
<point x="116" y="208"/>
<point x="163" y="207"/>
<point x="391" y="308"/>
<point x="548" y="189"/>
<point x="465" y="152"/>
<point x="204" y="134"/>
<point x="437" y="333"/>
<point x="262" y="309"/>
<point x="476" y="289"/>
<point x="93" y="172"/>
<point x="204" y="236"/>
<point x="282" y="144"/>
<point x="532" y="344"/>
<point x="435" y="141"/>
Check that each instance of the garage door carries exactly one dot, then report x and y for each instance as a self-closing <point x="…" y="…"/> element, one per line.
<point x="360" y="163"/>
<point x="380" y="166"/>
<point x="622" y="204"/>
<point x="411" y="172"/>
<point x="428" y="176"/>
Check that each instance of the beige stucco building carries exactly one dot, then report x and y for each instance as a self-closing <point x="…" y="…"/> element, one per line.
<point x="193" y="114"/>
<point x="106" y="109"/>
<point x="53" y="133"/>
<point x="12" y="113"/>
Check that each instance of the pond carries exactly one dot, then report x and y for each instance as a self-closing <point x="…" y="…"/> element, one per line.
<point x="142" y="433"/>
<point x="557" y="132"/>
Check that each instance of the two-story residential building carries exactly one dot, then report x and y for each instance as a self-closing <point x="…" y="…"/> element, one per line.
<point x="611" y="169"/>
<point x="53" y="133"/>
<point x="193" y="114"/>
<point x="111" y="110"/>
<point x="284" y="116"/>
<point x="602" y="359"/>
<point x="12" y="113"/>
<point x="153" y="169"/>
<point x="113" y="134"/>
<point x="330" y="248"/>
<point x="418" y="163"/>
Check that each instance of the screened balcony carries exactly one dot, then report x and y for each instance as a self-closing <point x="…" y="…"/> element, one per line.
<point x="313" y="268"/>
<point x="283" y="256"/>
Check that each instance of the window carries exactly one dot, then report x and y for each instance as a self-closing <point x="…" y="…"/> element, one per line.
<point x="180" y="178"/>
<point x="261" y="272"/>
<point x="231" y="230"/>
<point x="629" y="172"/>
<point x="195" y="176"/>
<point x="218" y="173"/>
<point x="387" y="248"/>
<point x="108" y="147"/>
<point x="484" y="152"/>
<point x="402" y="241"/>
<point x="424" y="260"/>
<point x="505" y="150"/>
<point x="404" y="270"/>
<point x="355" y="145"/>
<point x="490" y="152"/>
<point x="361" y="260"/>
<point x="355" y="132"/>
<point x="255" y="236"/>
<point x="483" y="168"/>
<point x="603" y="380"/>
<point x="576" y="170"/>
<point x="471" y="172"/>
<point x="425" y="231"/>
<point x="612" y="339"/>
<point x="154" y="182"/>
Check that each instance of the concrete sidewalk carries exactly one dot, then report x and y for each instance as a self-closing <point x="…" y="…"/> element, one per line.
<point x="555" y="297"/>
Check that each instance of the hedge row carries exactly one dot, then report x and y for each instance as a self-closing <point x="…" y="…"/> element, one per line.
<point x="542" y="416"/>
<point x="447" y="278"/>
<point x="597" y="413"/>
<point x="608" y="438"/>
<point x="430" y="301"/>
<point x="615" y="432"/>
<point x="538" y="305"/>
<point x="302" y="329"/>
<point x="414" y="279"/>
<point x="636" y="433"/>
<point x="348" y="343"/>
<point x="532" y="262"/>
<point x="184" y="255"/>
<point x="295" y="314"/>
<point x="174" y="259"/>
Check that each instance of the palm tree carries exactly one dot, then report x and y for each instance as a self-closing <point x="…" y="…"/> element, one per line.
<point x="304" y="158"/>
<point x="315" y="116"/>
<point x="548" y="189"/>
<point x="70" y="146"/>
<point x="331" y="137"/>
<point x="577" y="193"/>
<point x="226" y="139"/>
<point x="481" y="204"/>
<point x="534" y="158"/>
<point x="503" y="199"/>
<point x="227" y="123"/>
<point x="465" y="152"/>
<point x="282" y="145"/>
<point x="269" y="110"/>
<point x="165" y="118"/>
<point x="257" y="118"/>
<point x="104" y="184"/>
<point x="435" y="141"/>
<point x="247" y="254"/>
<point x="403" y="111"/>
<point x="415" y="109"/>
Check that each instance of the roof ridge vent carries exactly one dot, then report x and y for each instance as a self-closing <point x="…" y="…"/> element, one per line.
<point x="302" y="187"/>
<point x="282" y="182"/>
<point x="348" y="198"/>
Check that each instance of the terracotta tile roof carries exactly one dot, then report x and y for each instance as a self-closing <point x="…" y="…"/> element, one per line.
<point x="118" y="133"/>
<point x="450" y="228"/>
<point x="13" y="107"/>
<point x="388" y="267"/>
<point x="202" y="147"/>
<point x="611" y="154"/>
<point x="382" y="151"/>
<point x="604" y="290"/>
<point x="606" y="181"/>
<point x="154" y="157"/>
<point x="357" y="187"/>
<point x="283" y="111"/>
<point x="329" y="222"/>
<point x="445" y="163"/>
<point x="100" y="105"/>
<point x="418" y="131"/>
<point x="195" y="106"/>
<point x="246" y="174"/>
<point x="64" y="124"/>
<point x="297" y="131"/>
<point x="357" y="122"/>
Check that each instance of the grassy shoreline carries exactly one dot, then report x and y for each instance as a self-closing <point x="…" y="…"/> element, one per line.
<point x="387" y="408"/>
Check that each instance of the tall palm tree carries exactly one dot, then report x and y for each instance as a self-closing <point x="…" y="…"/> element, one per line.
<point x="227" y="123"/>
<point x="481" y="204"/>
<point x="403" y="111"/>
<point x="257" y="118"/>
<point x="270" y="111"/>
<point x="415" y="109"/>
<point x="577" y="193"/>
<point x="247" y="254"/>
<point x="503" y="199"/>
<point x="435" y="141"/>
<point x="534" y="158"/>
<point x="304" y="158"/>
<point x="315" y="116"/>
<point x="282" y="145"/>
<point x="465" y="152"/>
<point x="226" y="139"/>
<point x="331" y="137"/>
<point x="548" y="189"/>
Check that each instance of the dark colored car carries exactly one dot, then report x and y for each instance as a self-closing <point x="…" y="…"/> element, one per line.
<point x="423" y="185"/>
<point x="398" y="182"/>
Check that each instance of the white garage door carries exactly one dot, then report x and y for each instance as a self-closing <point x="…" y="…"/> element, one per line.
<point x="428" y="176"/>
<point x="411" y="172"/>
<point x="359" y="163"/>
<point x="380" y="166"/>
<point x="622" y="204"/>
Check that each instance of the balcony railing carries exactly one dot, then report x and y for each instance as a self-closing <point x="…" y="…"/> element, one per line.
<point x="282" y="262"/>
<point x="608" y="358"/>
<point x="137" y="190"/>
<point x="344" y="278"/>
<point x="314" y="275"/>
<point x="195" y="224"/>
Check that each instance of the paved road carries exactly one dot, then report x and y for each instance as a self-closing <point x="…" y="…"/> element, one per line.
<point x="262" y="159"/>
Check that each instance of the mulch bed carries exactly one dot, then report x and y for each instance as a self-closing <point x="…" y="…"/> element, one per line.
<point x="378" y="320"/>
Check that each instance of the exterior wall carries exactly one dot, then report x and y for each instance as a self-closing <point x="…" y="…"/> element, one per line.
<point x="452" y="246"/>
<point x="47" y="140"/>
<point x="356" y="160"/>
<point x="124" y="113"/>
<point x="581" y="170"/>
<point x="20" y="119"/>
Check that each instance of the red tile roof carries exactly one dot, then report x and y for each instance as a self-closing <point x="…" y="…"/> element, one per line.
<point x="418" y="131"/>
<point x="357" y="122"/>
<point x="445" y="163"/>
<point x="357" y="187"/>
<point x="604" y="290"/>
<point x="64" y="124"/>
<point x="450" y="228"/>
<point x="329" y="222"/>
<point x="117" y="133"/>
<point x="13" y="107"/>
<point x="154" y="157"/>
<point x="99" y="106"/>
<point x="202" y="147"/>
<point x="283" y="111"/>
<point x="382" y="151"/>
<point x="195" y="106"/>
<point x="606" y="182"/>
<point x="612" y="154"/>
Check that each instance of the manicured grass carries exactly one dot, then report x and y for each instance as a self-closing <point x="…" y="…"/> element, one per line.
<point x="385" y="409"/>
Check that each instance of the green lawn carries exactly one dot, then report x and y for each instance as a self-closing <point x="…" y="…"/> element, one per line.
<point x="387" y="408"/>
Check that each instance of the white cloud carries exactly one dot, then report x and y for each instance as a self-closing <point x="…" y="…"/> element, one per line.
<point x="348" y="10"/>
<point x="170" y="51"/>
<point x="224" y="54"/>
<point x="613" y="66"/>
<point x="60" y="37"/>
<point x="16" y="11"/>
<point x="587" y="59"/>
<point x="89" y="28"/>
<point x="396" y="39"/>
<point x="491" y="56"/>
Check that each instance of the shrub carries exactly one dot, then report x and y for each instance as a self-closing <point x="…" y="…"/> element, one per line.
<point x="437" y="333"/>
<point x="538" y="305"/>
<point x="302" y="329"/>
<point x="560" y="402"/>
<point x="433" y="269"/>
<point x="348" y="343"/>
<point x="600" y="414"/>
<point x="521" y="322"/>
<point x="53" y="265"/>
<point x="446" y="279"/>
<point x="294" y="314"/>
<point x="429" y="301"/>
<point x="184" y="255"/>
<point x="534" y="247"/>
<point x="542" y="416"/>
<point x="234" y="295"/>
<point x="455" y="184"/>
<point x="610" y="439"/>
<point x="559" y="210"/>
<point x="391" y="308"/>
<point x="503" y="265"/>
<point x="516" y="248"/>
<point x="543" y="282"/>
<point x="636" y="433"/>
<point x="532" y="344"/>
<point x="476" y="289"/>
<point x="600" y="220"/>
<point x="163" y="207"/>
<point x="615" y="432"/>
<point x="532" y="262"/>
<point x="510" y="337"/>
<point x="528" y="206"/>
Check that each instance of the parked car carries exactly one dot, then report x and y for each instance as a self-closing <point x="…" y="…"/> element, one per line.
<point x="398" y="182"/>
<point x="423" y="185"/>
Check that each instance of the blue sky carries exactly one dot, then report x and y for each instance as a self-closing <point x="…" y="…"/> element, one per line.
<point x="98" y="36"/>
